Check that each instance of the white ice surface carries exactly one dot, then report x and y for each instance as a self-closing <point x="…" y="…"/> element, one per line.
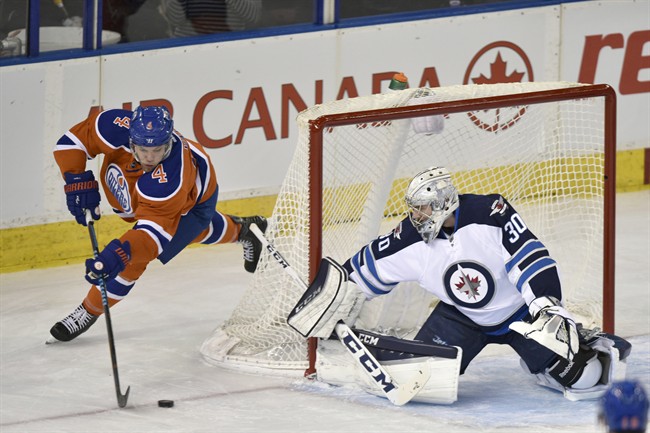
<point x="160" y="326"/>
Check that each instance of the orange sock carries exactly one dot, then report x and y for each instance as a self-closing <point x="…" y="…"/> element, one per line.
<point x="93" y="301"/>
<point x="232" y="231"/>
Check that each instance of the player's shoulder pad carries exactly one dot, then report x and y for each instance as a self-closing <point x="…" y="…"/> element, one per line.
<point x="112" y="126"/>
<point x="489" y="209"/>
<point x="166" y="179"/>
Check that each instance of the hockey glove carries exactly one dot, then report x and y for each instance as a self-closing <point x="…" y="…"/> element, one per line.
<point x="110" y="262"/>
<point x="82" y="192"/>
<point x="553" y="327"/>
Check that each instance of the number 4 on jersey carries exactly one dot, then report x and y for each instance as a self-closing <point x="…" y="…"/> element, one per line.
<point x="159" y="173"/>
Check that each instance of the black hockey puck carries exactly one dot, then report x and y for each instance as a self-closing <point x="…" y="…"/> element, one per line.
<point x="165" y="403"/>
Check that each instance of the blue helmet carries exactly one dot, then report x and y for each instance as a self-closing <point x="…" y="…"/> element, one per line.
<point x="624" y="407"/>
<point x="151" y="126"/>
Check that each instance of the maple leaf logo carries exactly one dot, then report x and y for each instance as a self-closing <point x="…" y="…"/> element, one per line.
<point x="498" y="57"/>
<point x="468" y="286"/>
<point x="498" y="73"/>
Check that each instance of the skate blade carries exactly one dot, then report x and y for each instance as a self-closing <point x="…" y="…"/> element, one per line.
<point x="52" y="340"/>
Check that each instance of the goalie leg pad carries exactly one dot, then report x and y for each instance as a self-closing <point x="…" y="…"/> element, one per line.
<point x="334" y="366"/>
<point x="442" y="386"/>
<point x="568" y="373"/>
<point x="610" y="352"/>
<point x="326" y="301"/>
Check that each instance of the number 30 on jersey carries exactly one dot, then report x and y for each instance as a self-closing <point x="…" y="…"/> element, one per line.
<point x="514" y="227"/>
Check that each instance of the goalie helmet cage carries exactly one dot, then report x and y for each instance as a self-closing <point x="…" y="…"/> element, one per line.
<point x="549" y="148"/>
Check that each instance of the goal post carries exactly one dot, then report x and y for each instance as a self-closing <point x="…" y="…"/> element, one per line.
<point x="549" y="148"/>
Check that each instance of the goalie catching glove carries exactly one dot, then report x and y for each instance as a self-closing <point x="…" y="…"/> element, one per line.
<point x="326" y="301"/>
<point x="553" y="327"/>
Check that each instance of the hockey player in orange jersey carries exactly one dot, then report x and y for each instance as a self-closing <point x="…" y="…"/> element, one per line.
<point x="154" y="177"/>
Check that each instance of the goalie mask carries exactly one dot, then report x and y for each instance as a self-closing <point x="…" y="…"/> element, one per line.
<point x="150" y="132"/>
<point x="431" y="199"/>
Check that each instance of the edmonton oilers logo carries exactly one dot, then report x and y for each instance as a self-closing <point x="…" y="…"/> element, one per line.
<point x="119" y="187"/>
<point x="469" y="284"/>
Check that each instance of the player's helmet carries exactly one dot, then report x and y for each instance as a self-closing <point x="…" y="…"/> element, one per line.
<point x="624" y="407"/>
<point x="151" y="127"/>
<point x="431" y="191"/>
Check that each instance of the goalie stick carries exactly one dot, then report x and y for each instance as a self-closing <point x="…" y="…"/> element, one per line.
<point x="398" y="394"/>
<point x="121" y="398"/>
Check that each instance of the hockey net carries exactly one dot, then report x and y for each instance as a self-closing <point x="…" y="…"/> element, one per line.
<point x="546" y="147"/>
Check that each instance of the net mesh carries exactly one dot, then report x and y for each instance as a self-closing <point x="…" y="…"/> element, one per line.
<point x="547" y="159"/>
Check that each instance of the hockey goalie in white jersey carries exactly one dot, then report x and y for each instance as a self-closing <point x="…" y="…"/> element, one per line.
<point x="496" y="282"/>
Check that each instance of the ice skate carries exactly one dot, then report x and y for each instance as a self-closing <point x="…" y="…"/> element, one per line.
<point x="252" y="246"/>
<point x="75" y="324"/>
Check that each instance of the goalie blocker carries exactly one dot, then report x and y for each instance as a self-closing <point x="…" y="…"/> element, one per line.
<point x="329" y="300"/>
<point x="326" y="301"/>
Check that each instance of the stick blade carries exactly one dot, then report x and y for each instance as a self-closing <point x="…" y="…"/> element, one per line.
<point x="407" y="390"/>
<point x="122" y="398"/>
<point x="397" y="393"/>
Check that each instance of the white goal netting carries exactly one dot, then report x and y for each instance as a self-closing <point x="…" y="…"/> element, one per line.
<point x="546" y="157"/>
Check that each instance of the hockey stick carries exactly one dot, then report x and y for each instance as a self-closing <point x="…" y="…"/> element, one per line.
<point x="121" y="398"/>
<point x="398" y="394"/>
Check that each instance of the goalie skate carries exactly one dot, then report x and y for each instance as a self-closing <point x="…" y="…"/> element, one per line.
<point x="75" y="324"/>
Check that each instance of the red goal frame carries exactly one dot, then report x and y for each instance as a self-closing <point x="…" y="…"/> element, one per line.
<point x="318" y="126"/>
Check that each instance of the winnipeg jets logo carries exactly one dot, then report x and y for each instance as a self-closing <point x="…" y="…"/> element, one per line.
<point x="499" y="206"/>
<point x="119" y="187"/>
<point x="469" y="284"/>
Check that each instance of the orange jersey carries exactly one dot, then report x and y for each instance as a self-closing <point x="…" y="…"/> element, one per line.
<point x="155" y="200"/>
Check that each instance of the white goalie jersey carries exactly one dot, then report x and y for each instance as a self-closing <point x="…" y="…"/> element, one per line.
<point x="490" y="267"/>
